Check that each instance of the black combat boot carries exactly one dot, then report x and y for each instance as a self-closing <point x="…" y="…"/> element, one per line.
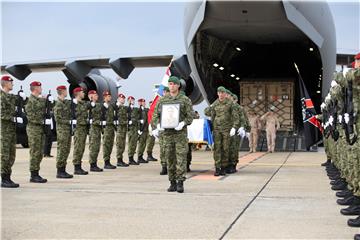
<point x="150" y="157"/>
<point x="141" y="159"/>
<point x="222" y="171"/>
<point x="352" y="200"/>
<point x="229" y="170"/>
<point x="94" y="168"/>
<point x="108" y="165"/>
<point x="217" y="172"/>
<point x="327" y="163"/>
<point x="338" y="181"/>
<point x="79" y="170"/>
<point x="163" y="170"/>
<point x="351" y="210"/>
<point x="61" y="173"/>
<point x="180" y="187"/>
<point x="6" y="182"/>
<point x="36" y="178"/>
<point x="340" y="186"/>
<point x="132" y="161"/>
<point x="120" y="163"/>
<point x="172" y="187"/>
<point x="357" y="237"/>
<point x="354" y="222"/>
<point x="344" y="194"/>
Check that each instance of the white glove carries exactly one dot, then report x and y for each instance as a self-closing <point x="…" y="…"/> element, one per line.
<point x="73" y="122"/>
<point x="75" y="101"/>
<point x="92" y="104"/>
<point x="103" y="123"/>
<point x="51" y="99"/>
<point x="323" y="105"/>
<point x="130" y="122"/>
<point x="158" y="127"/>
<point x="155" y="133"/>
<point x="247" y="135"/>
<point x="346" y="118"/>
<point x="340" y="117"/>
<point x="19" y="120"/>
<point x="333" y="83"/>
<point x="118" y="104"/>
<point x="22" y="95"/>
<point x="48" y="121"/>
<point x="106" y="105"/>
<point x="142" y="121"/>
<point x="232" y="132"/>
<point x="331" y="119"/>
<point x="180" y="126"/>
<point x="90" y="121"/>
<point x="140" y="132"/>
<point x="241" y="132"/>
<point x="150" y="128"/>
<point x="116" y="122"/>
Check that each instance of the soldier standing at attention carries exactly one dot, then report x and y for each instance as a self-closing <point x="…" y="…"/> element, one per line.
<point x="255" y="126"/>
<point x="121" y="130"/>
<point x="133" y="126"/>
<point x="143" y="130"/>
<point x="109" y="130"/>
<point x="95" y="130"/>
<point x="175" y="140"/>
<point x="272" y="125"/>
<point x="150" y="142"/>
<point x="8" y="131"/>
<point x="224" y="119"/>
<point x="81" y="109"/>
<point x="63" y="131"/>
<point x="35" y="109"/>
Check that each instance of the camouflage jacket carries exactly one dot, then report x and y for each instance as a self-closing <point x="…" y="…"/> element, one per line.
<point x="8" y="105"/>
<point x="82" y="115"/>
<point x="223" y="115"/>
<point x="122" y="112"/>
<point x="35" y="110"/>
<point x="109" y="114"/>
<point x="62" y="112"/>
<point x="143" y="115"/>
<point x="133" y="115"/>
<point x="95" y="114"/>
<point x="186" y="111"/>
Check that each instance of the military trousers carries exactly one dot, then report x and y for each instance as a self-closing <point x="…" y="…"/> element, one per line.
<point x="63" y="135"/>
<point x="79" y="143"/>
<point x="221" y="147"/>
<point x="36" y="138"/>
<point x="253" y="139"/>
<point x="150" y="143"/>
<point x="8" y="146"/>
<point x="132" y="140"/>
<point x="142" y="143"/>
<point x="108" y="141"/>
<point x="120" y="141"/>
<point x="234" y="150"/>
<point x="94" y="143"/>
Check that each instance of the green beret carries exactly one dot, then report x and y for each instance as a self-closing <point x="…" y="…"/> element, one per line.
<point x="174" y="79"/>
<point x="228" y="92"/>
<point x="235" y="97"/>
<point x="166" y="89"/>
<point x="221" y="89"/>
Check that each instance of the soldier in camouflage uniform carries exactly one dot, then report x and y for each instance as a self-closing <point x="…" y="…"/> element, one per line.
<point x="109" y="130"/>
<point x="235" y="140"/>
<point x="95" y="112"/>
<point x="133" y="126"/>
<point x="121" y="130"/>
<point x="225" y="119"/>
<point x="150" y="142"/>
<point x="143" y="130"/>
<point x="62" y="114"/>
<point x="35" y="109"/>
<point x="175" y="140"/>
<point x="8" y="131"/>
<point x="166" y="93"/>
<point x="81" y="112"/>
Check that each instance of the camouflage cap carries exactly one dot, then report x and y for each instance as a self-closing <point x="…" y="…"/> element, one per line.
<point x="221" y="89"/>
<point x="174" y="79"/>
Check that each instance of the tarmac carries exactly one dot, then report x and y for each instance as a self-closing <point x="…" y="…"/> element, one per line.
<point x="272" y="196"/>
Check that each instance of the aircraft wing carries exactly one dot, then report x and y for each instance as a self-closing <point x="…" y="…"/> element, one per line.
<point x="77" y="68"/>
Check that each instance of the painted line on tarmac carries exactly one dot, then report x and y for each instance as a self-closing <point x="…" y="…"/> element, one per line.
<point x="254" y="198"/>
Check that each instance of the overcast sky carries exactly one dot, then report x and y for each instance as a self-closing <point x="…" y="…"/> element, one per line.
<point x="45" y="31"/>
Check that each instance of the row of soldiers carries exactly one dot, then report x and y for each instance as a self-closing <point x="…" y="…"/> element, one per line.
<point x="73" y="117"/>
<point x="341" y="123"/>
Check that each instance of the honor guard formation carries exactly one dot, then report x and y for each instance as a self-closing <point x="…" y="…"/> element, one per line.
<point x="109" y="123"/>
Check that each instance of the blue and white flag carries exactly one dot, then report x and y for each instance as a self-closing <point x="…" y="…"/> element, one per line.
<point x="199" y="132"/>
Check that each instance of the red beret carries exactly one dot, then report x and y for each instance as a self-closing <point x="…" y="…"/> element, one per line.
<point x="121" y="95"/>
<point x="35" y="84"/>
<point x="131" y="97"/>
<point x="6" y="78"/>
<point x="92" y="92"/>
<point x="141" y="100"/>
<point x="353" y="65"/>
<point x="106" y="93"/>
<point x="357" y="56"/>
<point x="62" y="87"/>
<point x="78" y="89"/>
